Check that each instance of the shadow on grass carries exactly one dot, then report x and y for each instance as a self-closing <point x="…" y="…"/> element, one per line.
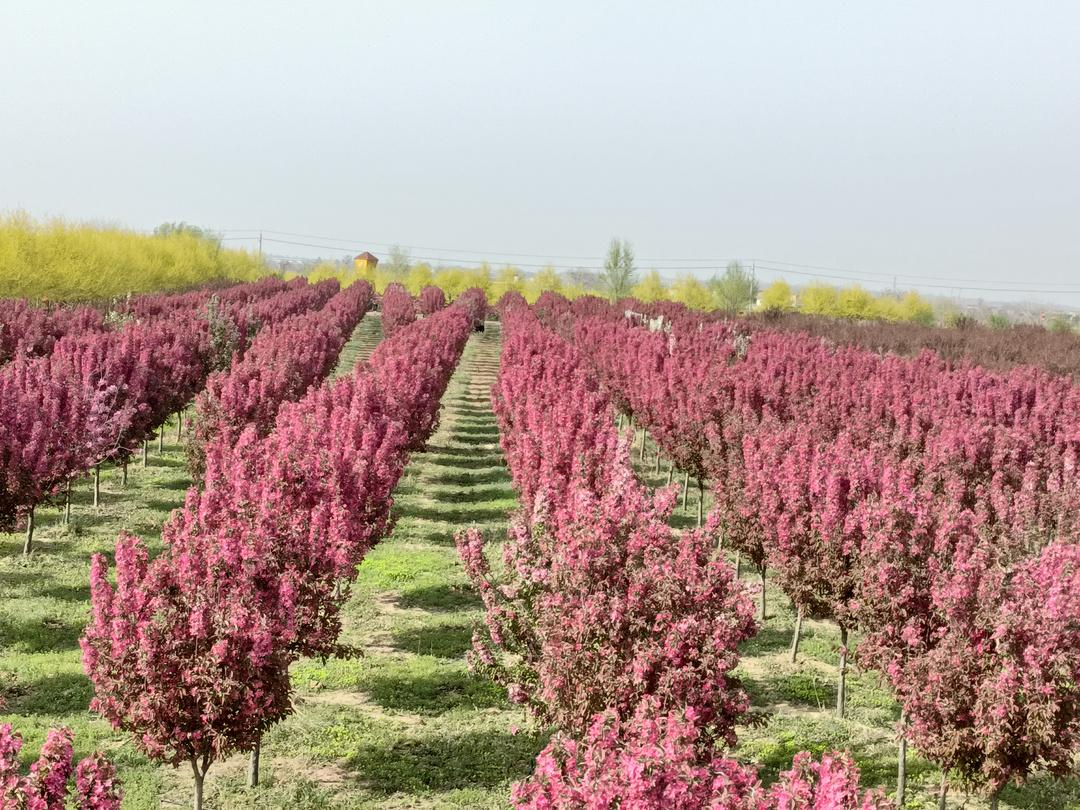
<point x="464" y="409"/>
<point x="769" y="640"/>
<point x="471" y="493"/>
<point x="482" y="432"/>
<point x="39" y="634"/>
<point x="467" y="459"/>
<point x="469" y="478"/>
<point x="441" y="763"/>
<point x="440" y="640"/>
<point x="433" y="693"/>
<point x="59" y="694"/>
<point x="441" y="598"/>
<point x="1043" y="792"/>
<point x="447" y="513"/>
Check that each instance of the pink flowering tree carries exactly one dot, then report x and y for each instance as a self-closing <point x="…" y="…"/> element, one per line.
<point x="430" y="300"/>
<point x="398" y="309"/>
<point x="49" y="784"/>
<point x="652" y="761"/>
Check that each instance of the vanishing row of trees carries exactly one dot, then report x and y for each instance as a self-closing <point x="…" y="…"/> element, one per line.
<point x="190" y="652"/>
<point x="607" y="624"/>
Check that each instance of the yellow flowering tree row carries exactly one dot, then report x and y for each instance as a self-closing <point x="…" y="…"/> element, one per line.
<point x="60" y="261"/>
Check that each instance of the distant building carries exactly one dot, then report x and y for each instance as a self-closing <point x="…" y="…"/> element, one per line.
<point x="366" y="261"/>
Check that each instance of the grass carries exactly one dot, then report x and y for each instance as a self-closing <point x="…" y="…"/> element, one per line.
<point x="406" y="725"/>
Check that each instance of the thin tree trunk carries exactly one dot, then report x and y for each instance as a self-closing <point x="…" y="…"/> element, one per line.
<point x="763" y="593"/>
<point x="28" y="545"/>
<point x="700" y="502"/>
<point x="797" y="635"/>
<point x="943" y="791"/>
<point x="738" y="563"/>
<point x="670" y="471"/>
<point x="144" y="445"/>
<point x="161" y="439"/>
<point x="123" y="474"/>
<point x="179" y="424"/>
<point x="994" y="800"/>
<point x="656" y="467"/>
<point x="901" y="766"/>
<point x="97" y="484"/>
<point x="199" y="778"/>
<point x="253" y="765"/>
<point x="618" y="422"/>
<point x="67" y="503"/>
<point x="841" y="687"/>
<point x="685" y="488"/>
<point x="641" y="450"/>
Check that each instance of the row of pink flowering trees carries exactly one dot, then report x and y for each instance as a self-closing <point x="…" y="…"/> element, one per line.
<point x="905" y="497"/>
<point x="190" y="652"/>
<point x="604" y="622"/>
<point x="99" y="394"/>
<point x="282" y="363"/>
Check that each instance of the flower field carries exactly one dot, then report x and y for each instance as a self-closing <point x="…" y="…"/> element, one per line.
<point x="269" y="548"/>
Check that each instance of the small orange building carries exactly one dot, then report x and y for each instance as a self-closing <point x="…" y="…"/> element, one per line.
<point x="365" y="261"/>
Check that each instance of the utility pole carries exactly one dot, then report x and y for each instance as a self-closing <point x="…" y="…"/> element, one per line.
<point x="260" y="244"/>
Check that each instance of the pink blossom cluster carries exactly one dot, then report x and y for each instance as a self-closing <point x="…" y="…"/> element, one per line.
<point x="32" y="331"/>
<point x="281" y="364"/>
<point x="430" y="300"/>
<point x="398" y="309"/>
<point x="190" y="652"/>
<point x="413" y="368"/>
<point x="651" y="762"/>
<point x="48" y="786"/>
<point x="474" y="301"/>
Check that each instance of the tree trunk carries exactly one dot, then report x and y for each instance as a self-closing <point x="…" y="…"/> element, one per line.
<point x="144" y="444"/>
<point x="763" y="594"/>
<point x="28" y="545"/>
<point x="796" y="635"/>
<point x="700" y="502"/>
<point x="97" y="484"/>
<point x="841" y="687"/>
<point x="161" y="439"/>
<point x="253" y="765"/>
<point x="199" y="778"/>
<point x="67" y="503"/>
<point x="685" y="488"/>
<point x="179" y="424"/>
<point x="123" y="474"/>
<point x="901" y="766"/>
<point x="943" y="791"/>
<point x="656" y="467"/>
<point x="670" y="470"/>
<point x="618" y="422"/>
<point x="738" y="564"/>
<point x="641" y="450"/>
<point x="994" y="800"/>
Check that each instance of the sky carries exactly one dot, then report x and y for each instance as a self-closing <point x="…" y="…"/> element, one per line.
<point x="937" y="143"/>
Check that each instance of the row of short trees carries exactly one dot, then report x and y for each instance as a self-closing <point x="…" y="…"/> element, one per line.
<point x="190" y="651"/>
<point x="101" y="393"/>
<point x="605" y="623"/>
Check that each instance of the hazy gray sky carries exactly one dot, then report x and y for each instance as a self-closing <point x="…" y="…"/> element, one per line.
<point x="938" y="140"/>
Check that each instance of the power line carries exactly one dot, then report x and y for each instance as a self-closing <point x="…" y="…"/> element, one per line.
<point x="773" y="266"/>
